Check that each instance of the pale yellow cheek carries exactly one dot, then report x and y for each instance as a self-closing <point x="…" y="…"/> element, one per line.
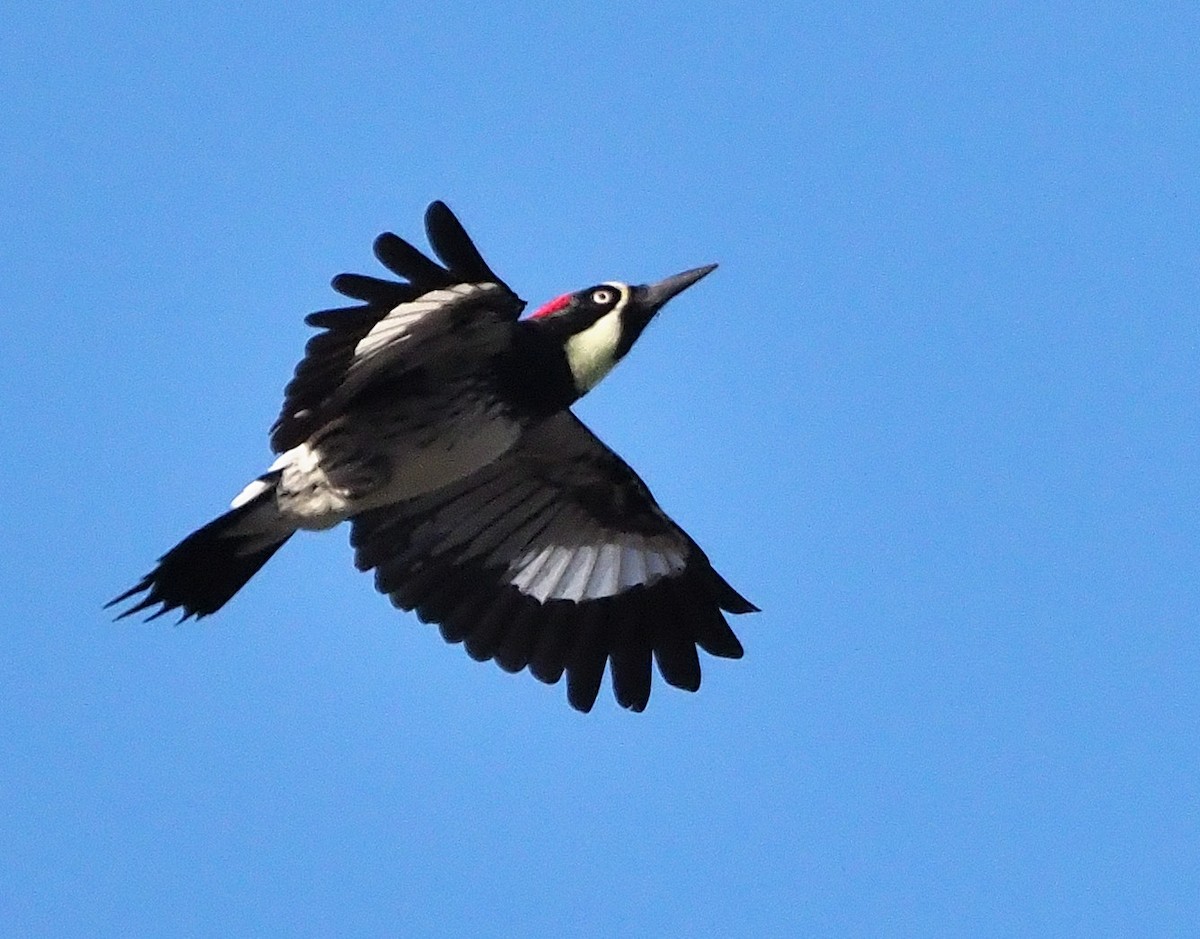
<point x="591" y="352"/>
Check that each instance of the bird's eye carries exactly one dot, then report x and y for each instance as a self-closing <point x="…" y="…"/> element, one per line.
<point x="603" y="296"/>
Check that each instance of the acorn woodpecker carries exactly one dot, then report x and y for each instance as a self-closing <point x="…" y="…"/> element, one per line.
<point x="438" y="422"/>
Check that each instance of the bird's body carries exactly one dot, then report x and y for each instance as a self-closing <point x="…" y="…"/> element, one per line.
<point x="437" y="421"/>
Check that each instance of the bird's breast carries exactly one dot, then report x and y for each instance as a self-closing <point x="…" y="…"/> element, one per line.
<point x="423" y="458"/>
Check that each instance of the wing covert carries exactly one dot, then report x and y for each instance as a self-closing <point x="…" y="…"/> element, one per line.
<point x="556" y="558"/>
<point x="329" y="355"/>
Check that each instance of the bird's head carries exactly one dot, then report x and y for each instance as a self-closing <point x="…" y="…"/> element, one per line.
<point x="599" y="325"/>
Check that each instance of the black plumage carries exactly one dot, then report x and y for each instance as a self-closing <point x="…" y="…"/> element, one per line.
<point x="437" y="422"/>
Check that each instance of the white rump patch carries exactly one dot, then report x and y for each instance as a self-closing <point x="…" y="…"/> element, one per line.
<point x="249" y="494"/>
<point x="591" y="572"/>
<point x="305" y="496"/>
<point x="392" y="328"/>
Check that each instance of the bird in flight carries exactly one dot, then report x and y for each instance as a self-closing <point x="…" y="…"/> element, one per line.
<point x="437" y="421"/>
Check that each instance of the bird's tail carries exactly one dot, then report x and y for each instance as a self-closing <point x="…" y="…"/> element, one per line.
<point x="201" y="573"/>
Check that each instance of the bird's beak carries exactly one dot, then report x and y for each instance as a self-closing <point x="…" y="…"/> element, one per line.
<point x="652" y="297"/>
<point x="648" y="299"/>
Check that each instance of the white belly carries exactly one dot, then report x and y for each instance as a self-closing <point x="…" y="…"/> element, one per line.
<point x="308" y="497"/>
<point x="438" y="465"/>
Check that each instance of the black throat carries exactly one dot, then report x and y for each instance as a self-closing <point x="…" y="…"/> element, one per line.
<point x="534" y="375"/>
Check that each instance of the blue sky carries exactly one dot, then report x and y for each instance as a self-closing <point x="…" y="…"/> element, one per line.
<point x="935" y="414"/>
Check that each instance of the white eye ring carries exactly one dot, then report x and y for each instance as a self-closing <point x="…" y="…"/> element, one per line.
<point x="602" y="297"/>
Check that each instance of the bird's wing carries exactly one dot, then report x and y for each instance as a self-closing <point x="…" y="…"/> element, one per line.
<point x="364" y="339"/>
<point x="556" y="557"/>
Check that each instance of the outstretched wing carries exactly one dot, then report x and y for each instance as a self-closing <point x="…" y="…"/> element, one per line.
<point x="556" y="557"/>
<point x="390" y="310"/>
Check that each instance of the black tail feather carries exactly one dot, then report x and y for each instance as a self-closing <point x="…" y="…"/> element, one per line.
<point x="203" y="572"/>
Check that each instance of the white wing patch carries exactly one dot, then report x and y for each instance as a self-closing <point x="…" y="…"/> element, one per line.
<point x="633" y="568"/>
<point x="392" y="328"/>
<point x="574" y="581"/>
<point x="605" y="579"/>
<point x="591" y="572"/>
